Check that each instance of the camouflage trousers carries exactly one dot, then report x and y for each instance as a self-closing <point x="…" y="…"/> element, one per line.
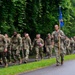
<point x="68" y="51"/>
<point x="49" y="51"/>
<point x="3" y="58"/>
<point x="9" y="55"/>
<point x="39" y="52"/>
<point x="16" y="55"/>
<point x="72" y="49"/>
<point x="59" y="54"/>
<point x="26" y="55"/>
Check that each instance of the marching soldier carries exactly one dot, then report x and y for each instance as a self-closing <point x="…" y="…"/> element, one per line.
<point x="3" y="50"/>
<point x="38" y="44"/>
<point x="26" y="41"/>
<point x="16" y="44"/>
<point x="59" y="52"/>
<point x="48" y="45"/>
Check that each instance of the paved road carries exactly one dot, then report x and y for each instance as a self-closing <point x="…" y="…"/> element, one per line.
<point x="67" y="69"/>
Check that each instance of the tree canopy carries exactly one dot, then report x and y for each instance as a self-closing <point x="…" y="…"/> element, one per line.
<point x="36" y="16"/>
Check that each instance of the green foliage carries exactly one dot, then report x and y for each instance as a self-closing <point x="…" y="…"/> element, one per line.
<point x="36" y="16"/>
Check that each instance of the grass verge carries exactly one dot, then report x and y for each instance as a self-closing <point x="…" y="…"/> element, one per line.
<point x="14" y="70"/>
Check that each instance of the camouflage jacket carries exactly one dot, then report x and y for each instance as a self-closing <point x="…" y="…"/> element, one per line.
<point x="26" y="43"/>
<point x="38" y="42"/>
<point x="16" y="43"/>
<point x="55" y="36"/>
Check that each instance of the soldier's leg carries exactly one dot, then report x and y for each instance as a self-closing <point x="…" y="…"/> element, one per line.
<point x="10" y="59"/>
<point x="47" y="51"/>
<point x="51" y="52"/>
<point x="41" y="52"/>
<point x="37" y="53"/>
<point x="9" y="56"/>
<point x="72" y="48"/>
<point x="1" y="61"/>
<point x="14" y="55"/>
<point x="4" y="57"/>
<point x="27" y="56"/>
<point x="18" y="56"/>
<point x="68" y="51"/>
<point x="62" y="58"/>
<point x="50" y="49"/>
<point x="57" y="56"/>
<point x="62" y="54"/>
<point x="23" y="55"/>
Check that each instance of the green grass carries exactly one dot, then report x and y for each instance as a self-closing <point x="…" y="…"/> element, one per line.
<point x="14" y="70"/>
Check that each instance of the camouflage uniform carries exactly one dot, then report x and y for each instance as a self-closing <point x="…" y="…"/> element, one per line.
<point x="38" y="48"/>
<point x="48" y="45"/>
<point x="3" y="46"/>
<point x="16" y="45"/>
<point x="26" y="47"/>
<point x="60" y="53"/>
<point x="67" y="46"/>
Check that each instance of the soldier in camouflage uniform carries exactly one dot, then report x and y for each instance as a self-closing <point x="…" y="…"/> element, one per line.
<point x="16" y="44"/>
<point x="48" y="45"/>
<point x="67" y="45"/>
<point x="59" y="52"/>
<point x="8" y="48"/>
<point x="26" y="41"/>
<point x="38" y="44"/>
<point x="3" y="50"/>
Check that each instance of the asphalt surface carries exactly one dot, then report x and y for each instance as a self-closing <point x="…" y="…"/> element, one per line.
<point x="68" y="68"/>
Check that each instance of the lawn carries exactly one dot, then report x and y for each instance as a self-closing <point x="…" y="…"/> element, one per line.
<point x="14" y="70"/>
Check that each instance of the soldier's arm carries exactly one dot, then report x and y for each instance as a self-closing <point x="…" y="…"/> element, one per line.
<point x="52" y="42"/>
<point x="29" y="41"/>
<point x="20" y="40"/>
<point x="69" y="43"/>
<point x="30" y="45"/>
<point x="52" y="39"/>
<point x="62" y="35"/>
<point x="5" y="44"/>
<point x="42" y="42"/>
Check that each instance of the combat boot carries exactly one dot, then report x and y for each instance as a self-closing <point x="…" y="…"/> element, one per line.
<point x="61" y="62"/>
<point x="58" y="64"/>
<point x="6" y="65"/>
<point x="36" y="60"/>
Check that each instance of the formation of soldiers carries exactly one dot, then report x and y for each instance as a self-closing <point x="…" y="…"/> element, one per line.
<point x="17" y="48"/>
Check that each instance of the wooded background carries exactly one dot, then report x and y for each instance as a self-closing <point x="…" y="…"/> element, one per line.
<point x="36" y="16"/>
